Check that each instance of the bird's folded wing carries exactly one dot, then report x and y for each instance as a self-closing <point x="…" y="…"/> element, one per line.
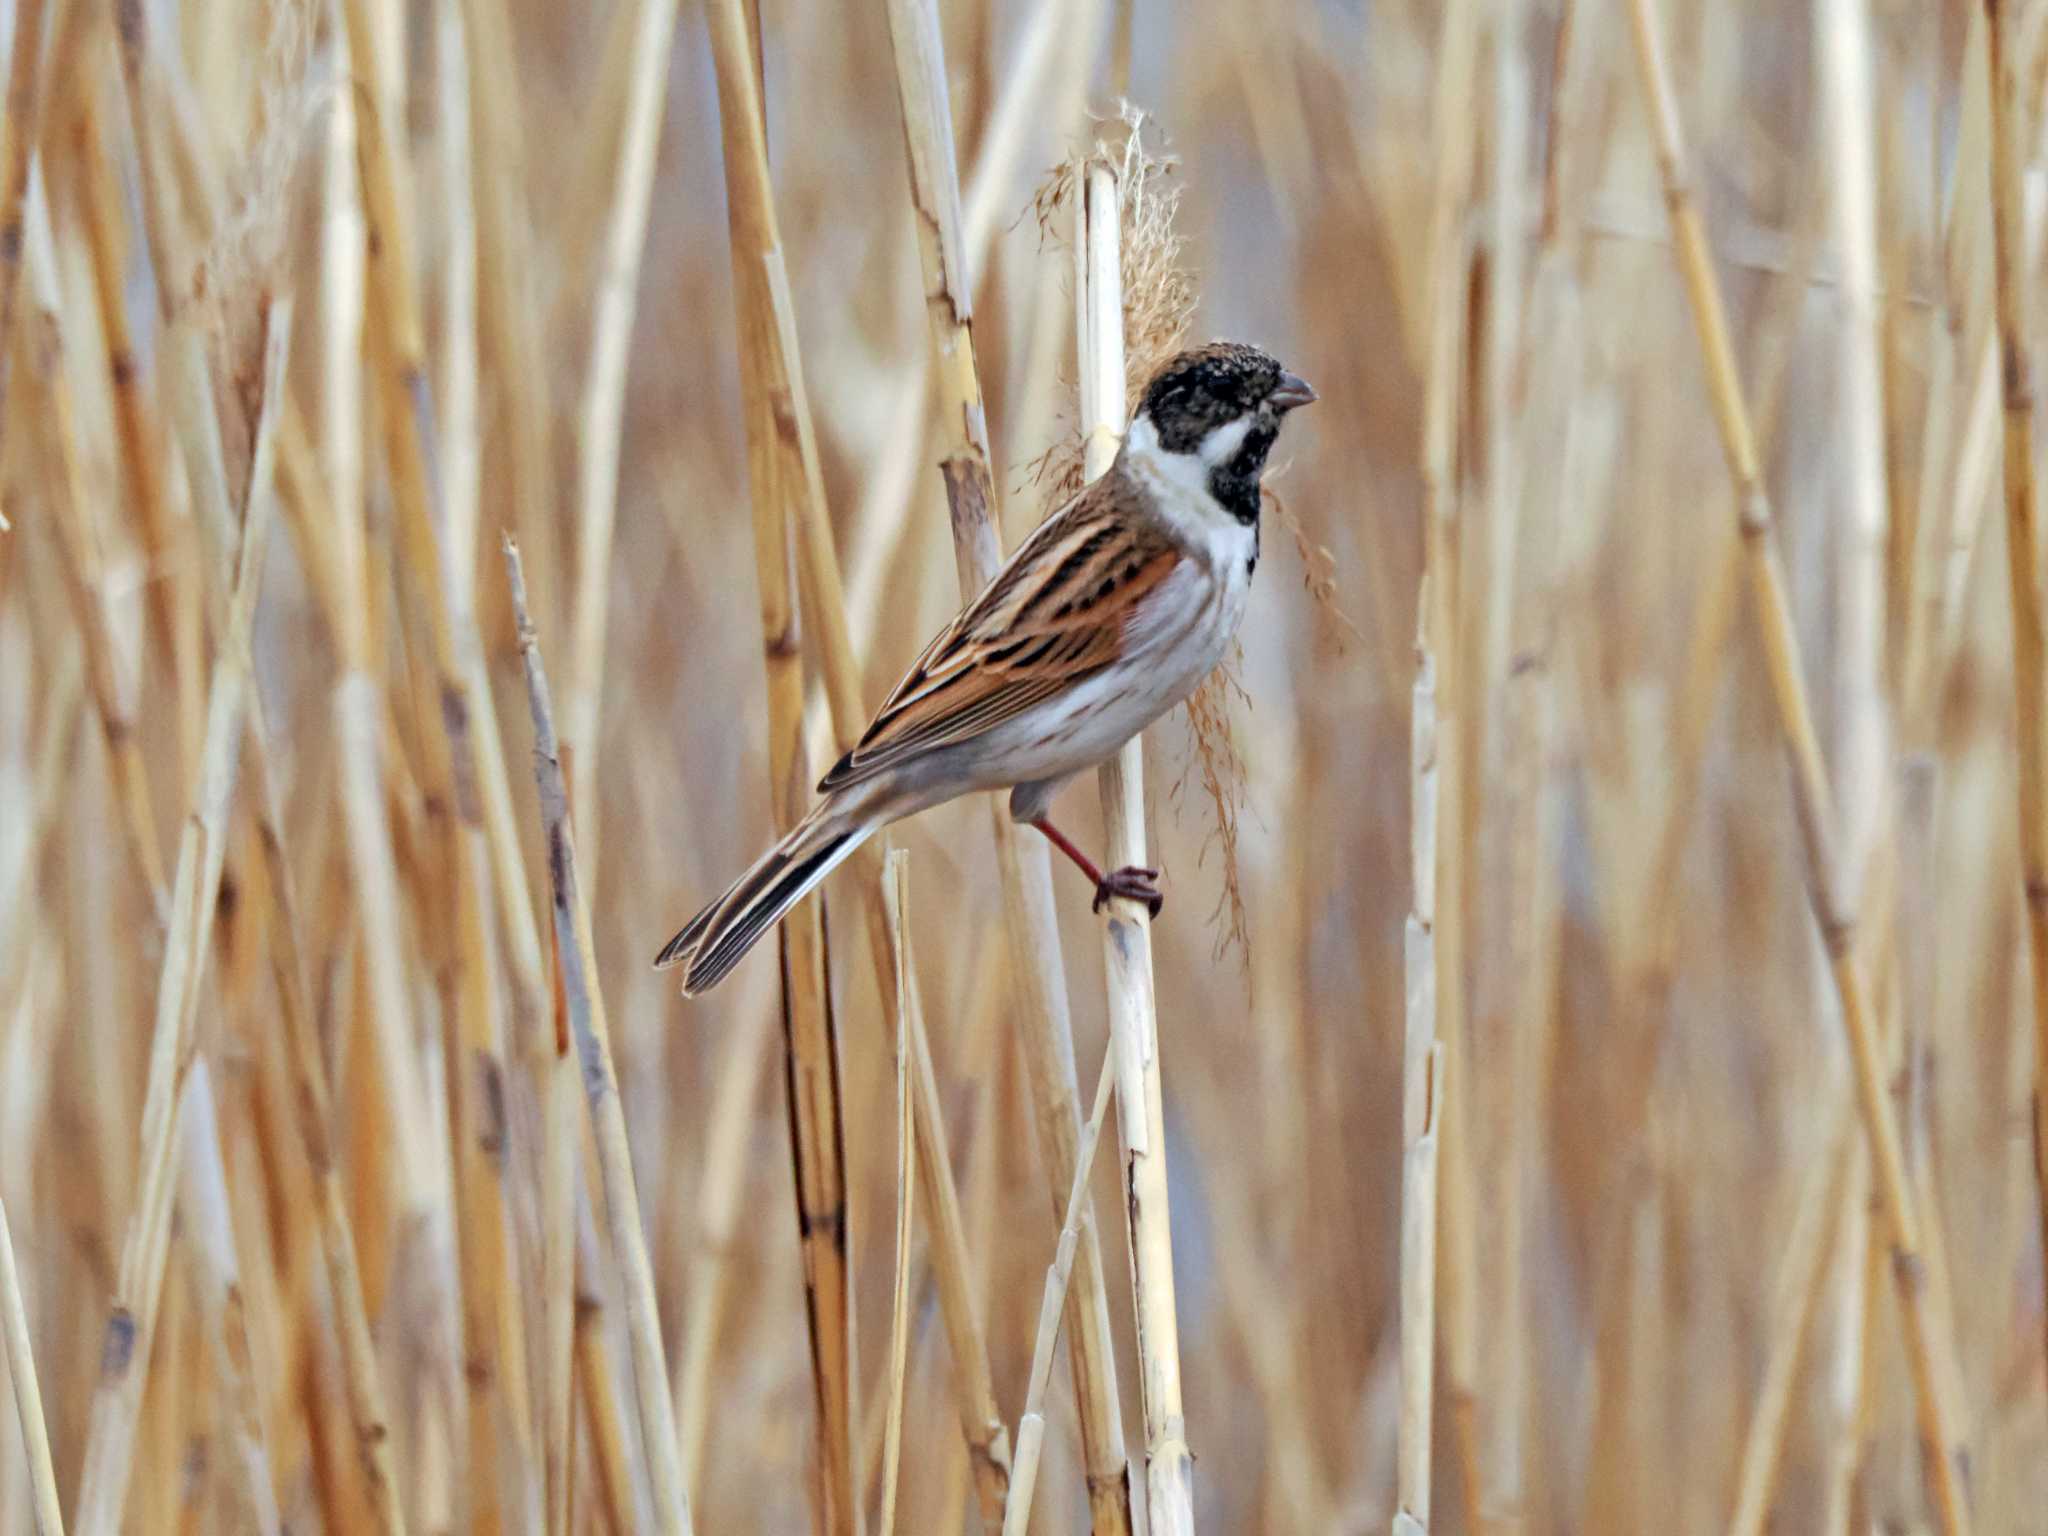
<point x="1053" y="617"/>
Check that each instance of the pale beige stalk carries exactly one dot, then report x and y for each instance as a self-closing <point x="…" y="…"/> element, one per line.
<point x="1126" y="930"/>
<point x="897" y="893"/>
<point x="1452" y="134"/>
<point x="28" y="1396"/>
<point x="1421" y="1102"/>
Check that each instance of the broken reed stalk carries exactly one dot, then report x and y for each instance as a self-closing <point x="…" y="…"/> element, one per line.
<point x="17" y="153"/>
<point x="202" y="851"/>
<point x="770" y="386"/>
<point x="1926" y="1347"/>
<point x="1126" y="930"/>
<point x="28" y="1397"/>
<point x="600" y="424"/>
<point x="1045" y="1030"/>
<point x="1052" y="1307"/>
<point x="897" y="874"/>
<point x="2009" y="93"/>
<point x="587" y="1021"/>
<point x="1421" y="1103"/>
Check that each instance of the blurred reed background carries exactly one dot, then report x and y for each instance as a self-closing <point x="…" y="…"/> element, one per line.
<point x="304" y="306"/>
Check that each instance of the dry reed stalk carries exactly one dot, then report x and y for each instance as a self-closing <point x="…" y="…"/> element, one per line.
<point x="205" y="1201"/>
<point x="2008" y="92"/>
<point x="1059" y="42"/>
<point x="711" y="1220"/>
<point x="359" y="705"/>
<point x="560" y="1149"/>
<point x="1052" y="1308"/>
<point x="508" y="290"/>
<point x="958" y="1279"/>
<point x="898" y="903"/>
<point x="488" y="1288"/>
<point x="343" y="258"/>
<point x="571" y="923"/>
<point x="28" y="1397"/>
<point x="823" y="595"/>
<point x="489" y="842"/>
<point x="172" y="602"/>
<point x="1830" y="901"/>
<point x="1860" y="749"/>
<point x="1421" y="1103"/>
<point x="964" y="465"/>
<point x="771" y="384"/>
<point x="458" y="388"/>
<point x="988" y="1440"/>
<point x="131" y="1323"/>
<point x="1528" y="384"/>
<point x="1452" y="134"/>
<point x="84" y="563"/>
<point x="599" y="423"/>
<point x="602" y="1410"/>
<point x="1802" y="1269"/>
<point x="369" y="1418"/>
<point x="23" y="117"/>
<point x="1126" y="931"/>
<point x="203" y="1206"/>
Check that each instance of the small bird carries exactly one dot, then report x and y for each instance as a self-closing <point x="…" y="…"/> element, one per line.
<point x="1107" y="616"/>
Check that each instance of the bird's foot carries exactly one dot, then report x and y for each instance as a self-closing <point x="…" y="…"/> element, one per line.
<point x="1133" y="884"/>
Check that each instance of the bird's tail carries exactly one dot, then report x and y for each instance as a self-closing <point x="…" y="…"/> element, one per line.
<point x="723" y="932"/>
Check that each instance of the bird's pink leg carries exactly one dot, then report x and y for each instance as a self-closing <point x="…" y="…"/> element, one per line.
<point x="1130" y="881"/>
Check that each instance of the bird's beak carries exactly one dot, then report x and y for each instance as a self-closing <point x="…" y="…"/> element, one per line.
<point x="1294" y="390"/>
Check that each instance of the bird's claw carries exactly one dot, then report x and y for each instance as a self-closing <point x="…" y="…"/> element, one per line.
<point x="1133" y="884"/>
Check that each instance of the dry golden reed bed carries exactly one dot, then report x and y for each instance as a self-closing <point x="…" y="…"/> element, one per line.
<point x="1576" y="1112"/>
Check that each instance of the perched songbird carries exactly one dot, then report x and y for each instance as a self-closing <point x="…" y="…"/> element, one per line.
<point x="1107" y="616"/>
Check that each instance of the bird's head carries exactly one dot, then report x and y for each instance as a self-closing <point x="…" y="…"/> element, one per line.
<point x="1221" y="405"/>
